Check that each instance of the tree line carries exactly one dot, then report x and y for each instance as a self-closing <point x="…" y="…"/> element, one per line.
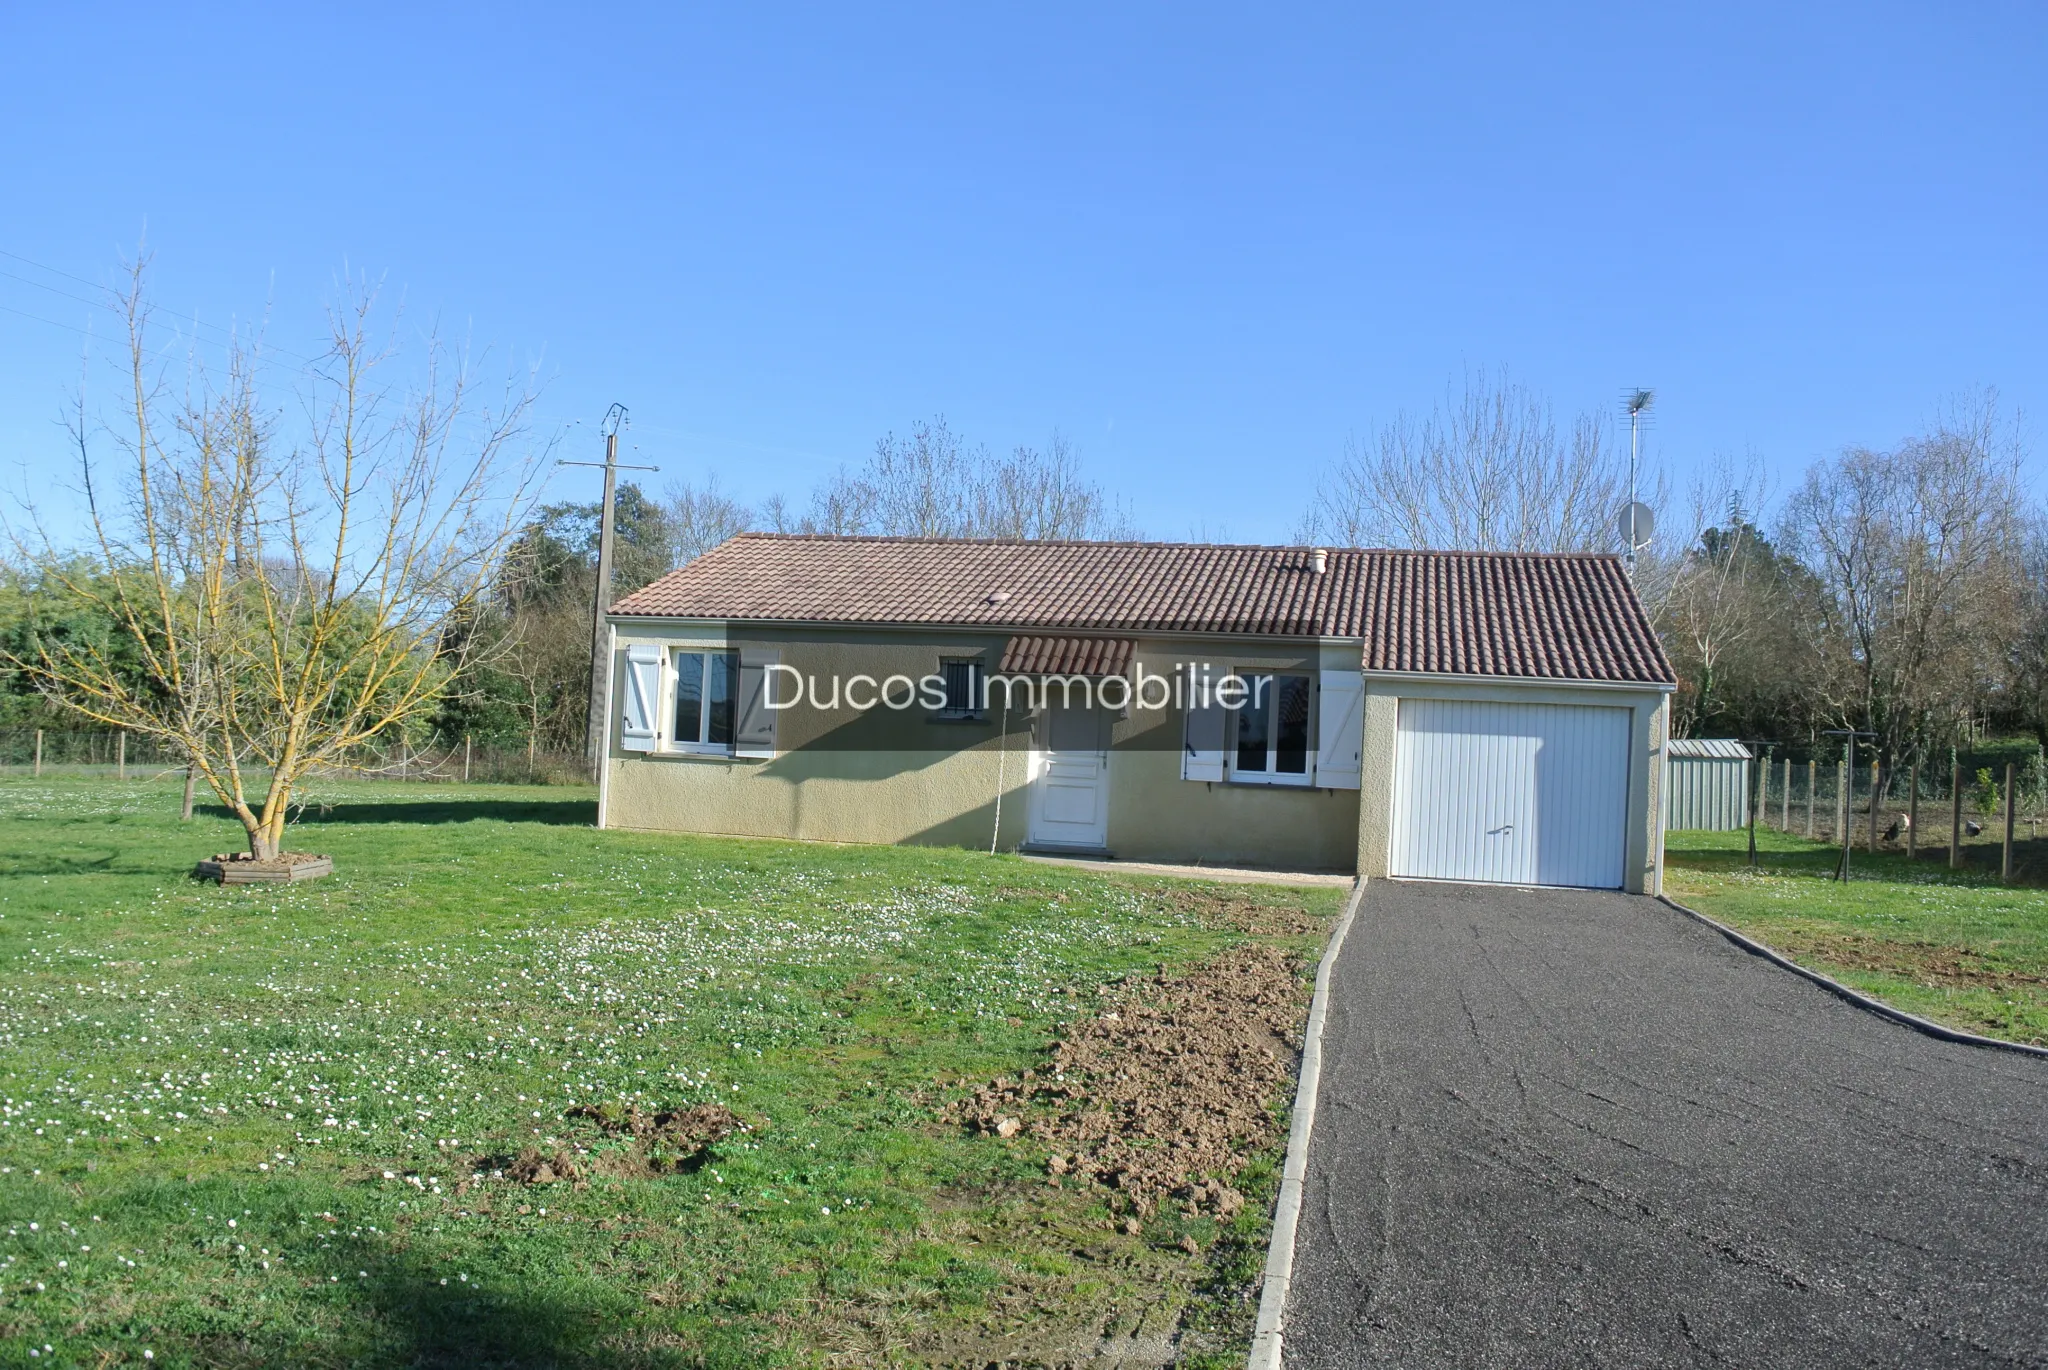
<point x="387" y="576"/>
<point x="930" y="482"/>
<point x="1901" y="591"/>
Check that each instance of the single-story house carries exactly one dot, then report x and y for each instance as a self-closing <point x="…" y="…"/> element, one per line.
<point x="1469" y="716"/>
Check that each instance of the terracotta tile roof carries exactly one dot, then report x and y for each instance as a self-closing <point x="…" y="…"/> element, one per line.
<point x="1029" y="654"/>
<point x="1455" y="613"/>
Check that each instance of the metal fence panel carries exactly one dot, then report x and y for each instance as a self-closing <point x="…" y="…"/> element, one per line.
<point x="1709" y="793"/>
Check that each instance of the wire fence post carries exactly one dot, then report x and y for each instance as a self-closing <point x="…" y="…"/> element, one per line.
<point x="39" y="753"/>
<point x="1759" y="771"/>
<point x="191" y="783"/>
<point x="1955" y="816"/>
<point x="121" y="754"/>
<point x="1913" y="812"/>
<point x="1876" y="791"/>
<point x="2005" y="860"/>
<point x="1785" y="799"/>
<point x="1812" y="775"/>
<point x="465" y="758"/>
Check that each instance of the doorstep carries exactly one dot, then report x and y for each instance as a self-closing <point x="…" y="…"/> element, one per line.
<point x="1229" y="875"/>
<point x="1061" y="849"/>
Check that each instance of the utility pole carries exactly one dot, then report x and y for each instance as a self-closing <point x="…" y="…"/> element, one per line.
<point x="600" y="660"/>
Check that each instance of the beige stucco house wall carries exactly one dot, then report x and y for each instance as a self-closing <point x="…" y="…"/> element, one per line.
<point x="882" y="776"/>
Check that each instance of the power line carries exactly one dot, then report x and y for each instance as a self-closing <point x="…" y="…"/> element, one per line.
<point x="51" y="322"/>
<point x="100" y="339"/>
<point x="54" y="271"/>
<point x="227" y="334"/>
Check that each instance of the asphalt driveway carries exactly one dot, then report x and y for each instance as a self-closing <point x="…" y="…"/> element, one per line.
<point x="1575" y="1128"/>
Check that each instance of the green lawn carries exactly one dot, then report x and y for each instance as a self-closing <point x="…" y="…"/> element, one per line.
<point x="244" y="1126"/>
<point x="1957" y="947"/>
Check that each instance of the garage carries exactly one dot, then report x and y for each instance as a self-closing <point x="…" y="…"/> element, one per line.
<point x="1510" y="793"/>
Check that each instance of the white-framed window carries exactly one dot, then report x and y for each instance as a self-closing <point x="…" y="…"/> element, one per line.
<point x="705" y="700"/>
<point x="965" y="695"/>
<point x="1268" y="736"/>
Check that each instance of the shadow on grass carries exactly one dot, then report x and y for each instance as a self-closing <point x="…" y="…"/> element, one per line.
<point x="571" y="813"/>
<point x="422" y="1315"/>
<point x="47" y="863"/>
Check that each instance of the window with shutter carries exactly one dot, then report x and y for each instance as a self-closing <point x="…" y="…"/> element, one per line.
<point x="1340" y="725"/>
<point x="755" y="734"/>
<point x="642" y="690"/>
<point x="1201" y="755"/>
<point x="706" y="701"/>
<point x="1270" y="739"/>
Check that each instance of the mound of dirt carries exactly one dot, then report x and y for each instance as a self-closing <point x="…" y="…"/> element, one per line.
<point x="1166" y="1090"/>
<point x="681" y="1130"/>
<point x="659" y="1144"/>
<point x="533" y="1166"/>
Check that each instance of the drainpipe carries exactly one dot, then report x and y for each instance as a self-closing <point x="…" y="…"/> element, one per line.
<point x="1002" y="756"/>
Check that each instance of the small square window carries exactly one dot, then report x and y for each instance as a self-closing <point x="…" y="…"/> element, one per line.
<point x="966" y="692"/>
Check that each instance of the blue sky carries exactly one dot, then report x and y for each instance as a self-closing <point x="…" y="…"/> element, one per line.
<point x="1204" y="243"/>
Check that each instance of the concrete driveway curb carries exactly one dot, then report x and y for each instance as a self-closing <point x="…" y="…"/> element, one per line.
<point x="1266" y="1336"/>
<point x="1856" y="997"/>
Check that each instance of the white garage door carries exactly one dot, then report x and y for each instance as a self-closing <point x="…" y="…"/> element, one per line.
<point x="1515" y="794"/>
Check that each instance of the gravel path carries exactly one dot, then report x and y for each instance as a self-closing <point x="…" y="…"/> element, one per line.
<point x="1575" y="1128"/>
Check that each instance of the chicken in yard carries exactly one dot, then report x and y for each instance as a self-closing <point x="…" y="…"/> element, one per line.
<point x="1972" y="827"/>
<point x="1891" y="834"/>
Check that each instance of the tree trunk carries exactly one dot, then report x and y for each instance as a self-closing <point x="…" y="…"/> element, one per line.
<point x="266" y="833"/>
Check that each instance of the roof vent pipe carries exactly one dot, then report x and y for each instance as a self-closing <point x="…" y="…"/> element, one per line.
<point x="1319" y="559"/>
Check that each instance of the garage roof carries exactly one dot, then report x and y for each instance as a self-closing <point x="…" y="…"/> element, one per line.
<point x="1527" y="615"/>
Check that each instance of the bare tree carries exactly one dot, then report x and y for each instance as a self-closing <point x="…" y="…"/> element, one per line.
<point x="1921" y="552"/>
<point x="701" y="517"/>
<point x="1737" y="614"/>
<point x="288" y="604"/>
<point x="1044" y="495"/>
<point x="1709" y="596"/>
<point x="2027" y="673"/>
<point x="931" y="484"/>
<point x="1487" y="470"/>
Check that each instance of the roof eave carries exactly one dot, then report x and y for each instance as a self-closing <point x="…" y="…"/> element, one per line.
<point x="1045" y="629"/>
<point x="1537" y="681"/>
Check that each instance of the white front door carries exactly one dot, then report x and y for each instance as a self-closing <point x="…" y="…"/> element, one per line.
<point x="1516" y="794"/>
<point x="1070" y="795"/>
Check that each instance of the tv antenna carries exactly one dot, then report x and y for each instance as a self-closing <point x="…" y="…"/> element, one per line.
<point x="1636" y="523"/>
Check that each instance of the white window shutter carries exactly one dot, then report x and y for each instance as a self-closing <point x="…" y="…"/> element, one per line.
<point x="1340" y="730"/>
<point x="754" y="734"/>
<point x="642" y="698"/>
<point x="1201" y="753"/>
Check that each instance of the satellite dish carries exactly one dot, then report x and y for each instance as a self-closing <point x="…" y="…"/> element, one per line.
<point x="1636" y="524"/>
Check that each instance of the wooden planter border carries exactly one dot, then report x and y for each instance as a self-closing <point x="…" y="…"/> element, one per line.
<point x="240" y="872"/>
